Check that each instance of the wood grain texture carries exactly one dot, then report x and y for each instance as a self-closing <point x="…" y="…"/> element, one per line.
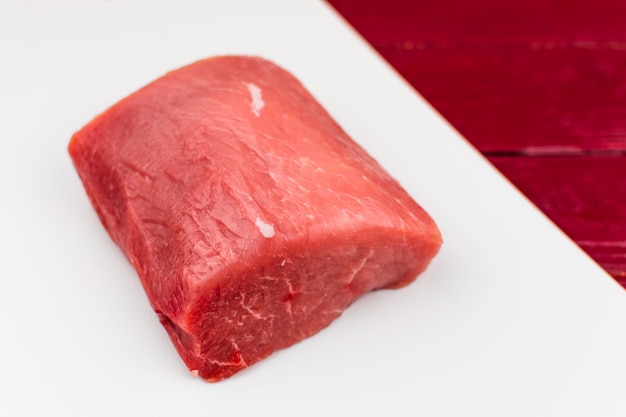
<point x="485" y="21"/>
<point x="501" y="102"/>
<point x="538" y="86"/>
<point x="572" y="191"/>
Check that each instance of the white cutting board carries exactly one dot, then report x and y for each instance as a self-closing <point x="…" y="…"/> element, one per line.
<point x="512" y="319"/>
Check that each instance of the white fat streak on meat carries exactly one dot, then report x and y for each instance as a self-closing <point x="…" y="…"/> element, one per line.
<point x="267" y="230"/>
<point x="241" y="363"/>
<point x="291" y="293"/>
<point x="361" y="264"/>
<point x="257" y="100"/>
<point x="359" y="267"/>
<point x="249" y="309"/>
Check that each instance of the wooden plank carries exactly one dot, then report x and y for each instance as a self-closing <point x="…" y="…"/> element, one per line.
<point x="510" y="76"/>
<point x="524" y="100"/>
<point x="388" y="22"/>
<point x="584" y="196"/>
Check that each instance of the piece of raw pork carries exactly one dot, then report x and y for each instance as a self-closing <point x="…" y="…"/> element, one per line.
<point x="251" y="218"/>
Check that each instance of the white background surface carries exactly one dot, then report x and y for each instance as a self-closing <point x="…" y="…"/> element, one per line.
<point x="510" y="320"/>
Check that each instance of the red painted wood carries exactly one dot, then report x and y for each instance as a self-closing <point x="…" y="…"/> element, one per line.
<point x="583" y="196"/>
<point x="384" y="22"/>
<point x="538" y="86"/>
<point x="512" y="99"/>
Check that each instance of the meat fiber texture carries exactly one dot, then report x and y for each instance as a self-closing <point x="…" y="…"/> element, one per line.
<point x="252" y="219"/>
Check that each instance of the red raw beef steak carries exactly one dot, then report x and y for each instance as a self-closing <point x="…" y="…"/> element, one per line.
<point x="251" y="218"/>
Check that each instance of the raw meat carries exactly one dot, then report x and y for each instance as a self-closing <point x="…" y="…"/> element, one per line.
<point x="251" y="218"/>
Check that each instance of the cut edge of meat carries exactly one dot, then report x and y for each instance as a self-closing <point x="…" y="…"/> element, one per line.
<point x="286" y="299"/>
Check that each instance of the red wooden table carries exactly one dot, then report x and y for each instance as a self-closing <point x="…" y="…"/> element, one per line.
<point x="539" y="87"/>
